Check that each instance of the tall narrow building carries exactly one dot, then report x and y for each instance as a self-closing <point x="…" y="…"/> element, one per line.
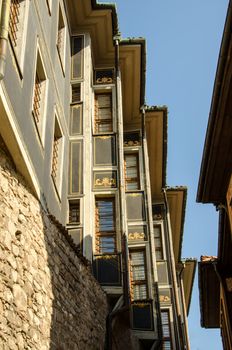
<point x="75" y="123"/>
<point x="215" y="187"/>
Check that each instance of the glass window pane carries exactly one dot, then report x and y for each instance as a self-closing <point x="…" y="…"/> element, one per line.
<point x="138" y="273"/>
<point x="139" y="291"/>
<point x="131" y="172"/>
<point x="106" y="244"/>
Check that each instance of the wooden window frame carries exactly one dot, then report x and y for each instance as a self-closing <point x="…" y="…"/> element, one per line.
<point x="74" y="204"/>
<point x="98" y="122"/>
<point x="39" y="101"/>
<point x="133" y="180"/>
<point x="108" y="233"/>
<point x="18" y="23"/>
<point x="61" y="38"/>
<point x="57" y="156"/>
<point x="166" y="339"/>
<point x="14" y="21"/>
<point x="76" y="98"/>
<point x="161" y="248"/>
<point x="138" y="282"/>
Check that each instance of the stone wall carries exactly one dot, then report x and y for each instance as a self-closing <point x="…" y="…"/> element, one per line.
<point x="48" y="296"/>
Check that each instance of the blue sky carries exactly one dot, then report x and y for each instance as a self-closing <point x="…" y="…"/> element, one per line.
<point x="183" y="41"/>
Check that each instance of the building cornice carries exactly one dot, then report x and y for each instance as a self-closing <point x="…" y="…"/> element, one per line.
<point x="216" y="163"/>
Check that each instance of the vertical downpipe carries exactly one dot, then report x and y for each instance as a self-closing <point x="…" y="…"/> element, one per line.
<point x="4" y="29"/>
<point x="177" y="313"/>
<point x="185" y="325"/>
<point x="148" y="201"/>
<point x="122" y="199"/>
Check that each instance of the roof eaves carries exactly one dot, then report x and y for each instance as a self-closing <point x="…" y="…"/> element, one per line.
<point x="185" y="192"/>
<point x="111" y="6"/>
<point x="214" y="103"/>
<point x="142" y="42"/>
<point x="190" y="260"/>
<point x="163" y="109"/>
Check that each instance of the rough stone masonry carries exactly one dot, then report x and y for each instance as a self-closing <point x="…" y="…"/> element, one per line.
<point x="48" y="296"/>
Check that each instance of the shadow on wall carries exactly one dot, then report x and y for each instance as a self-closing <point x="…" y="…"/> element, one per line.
<point x="48" y="296"/>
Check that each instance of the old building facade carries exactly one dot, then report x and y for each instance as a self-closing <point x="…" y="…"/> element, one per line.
<point x="215" y="186"/>
<point x="75" y="123"/>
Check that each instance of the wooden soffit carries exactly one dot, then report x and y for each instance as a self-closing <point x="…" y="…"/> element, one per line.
<point x="188" y="279"/>
<point x="101" y="22"/>
<point x="216" y="167"/>
<point x="156" y="131"/>
<point x="209" y="291"/>
<point x="177" y="203"/>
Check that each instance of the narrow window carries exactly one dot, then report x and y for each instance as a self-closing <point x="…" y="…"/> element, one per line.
<point x="158" y="243"/>
<point x="166" y="328"/>
<point x="103" y="113"/>
<point x="61" y="38"/>
<point x="105" y="226"/>
<point x="74" y="211"/>
<point x="57" y="155"/>
<point x="132" y="171"/>
<point x="76" y="93"/>
<point x="76" y="167"/>
<point x="14" y="21"/>
<point x="39" y="98"/>
<point x="76" y="120"/>
<point x="77" y="57"/>
<point x="138" y="275"/>
<point x="17" y="28"/>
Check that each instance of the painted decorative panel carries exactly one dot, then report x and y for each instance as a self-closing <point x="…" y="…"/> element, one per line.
<point x="158" y="211"/>
<point x="132" y="139"/>
<point x="104" y="180"/>
<point x="137" y="233"/>
<point x="164" y="296"/>
<point x="103" y="76"/>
